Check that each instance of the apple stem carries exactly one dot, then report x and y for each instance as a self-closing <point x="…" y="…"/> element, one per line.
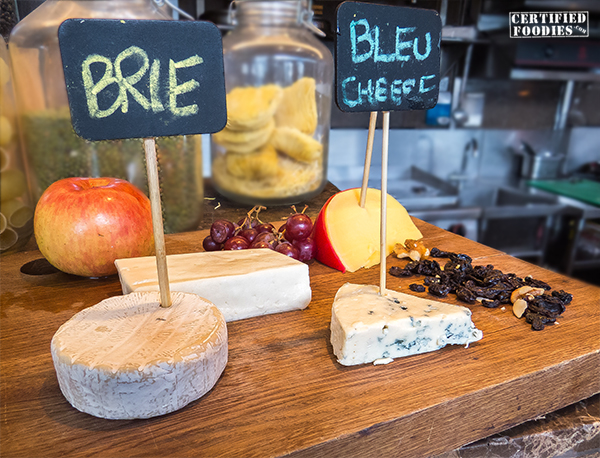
<point x="367" y="168"/>
<point x="383" y="225"/>
<point x="157" y="222"/>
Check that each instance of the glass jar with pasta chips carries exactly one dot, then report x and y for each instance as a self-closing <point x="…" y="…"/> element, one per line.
<point x="16" y="207"/>
<point x="279" y="80"/>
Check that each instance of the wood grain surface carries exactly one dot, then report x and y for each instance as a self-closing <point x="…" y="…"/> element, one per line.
<point x="283" y="393"/>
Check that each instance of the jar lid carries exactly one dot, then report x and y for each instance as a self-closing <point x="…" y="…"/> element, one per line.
<point x="269" y="12"/>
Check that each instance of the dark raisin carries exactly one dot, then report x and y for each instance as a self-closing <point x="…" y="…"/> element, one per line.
<point x="430" y="281"/>
<point x="563" y="296"/>
<point x="490" y="304"/>
<point x="437" y="253"/>
<point x="537" y="321"/>
<point x="398" y="272"/>
<point x="537" y="324"/>
<point x="513" y="281"/>
<point x="439" y="290"/>
<point x="413" y="266"/>
<point x="493" y="278"/>
<point x="429" y="268"/>
<point x="457" y="265"/>
<point x="536" y="283"/>
<point x="547" y="305"/>
<point x="416" y="288"/>
<point x="466" y="295"/>
<point x="503" y="296"/>
<point x="460" y="257"/>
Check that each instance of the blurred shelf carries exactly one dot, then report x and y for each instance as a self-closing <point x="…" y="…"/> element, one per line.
<point x="553" y="75"/>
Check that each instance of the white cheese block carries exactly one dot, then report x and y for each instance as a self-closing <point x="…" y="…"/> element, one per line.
<point x="241" y="283"/>
<point x="127" y="357"/>
<point x="369" y="327"/>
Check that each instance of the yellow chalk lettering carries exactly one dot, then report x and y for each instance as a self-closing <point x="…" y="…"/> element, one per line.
<point x="129" y="81"/>
<point x="178" y="89"/>
<point x="93" y="89"/>
<point x="155" y="86"/>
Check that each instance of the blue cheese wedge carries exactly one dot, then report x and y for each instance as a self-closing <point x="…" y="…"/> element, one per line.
<point x="241" y="283"/>
<point x="368" y="327"/>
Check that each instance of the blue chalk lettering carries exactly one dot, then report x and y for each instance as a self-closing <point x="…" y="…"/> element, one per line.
<point x="368" y="91"/>
<point x="422" y="87"/>
<point x="396" y="91"/>
<point x="402" y="45"/>
<point x="378" y="56"/>
<point x="381" y="90"/>
<point x="347" y="100"/>
<point x="366" y="36"/>
<point x="416" y="52"/>
<point x="408" y="86"/>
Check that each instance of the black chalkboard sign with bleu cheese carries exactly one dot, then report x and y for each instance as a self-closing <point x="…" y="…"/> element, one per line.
<point x="387" y="57"/>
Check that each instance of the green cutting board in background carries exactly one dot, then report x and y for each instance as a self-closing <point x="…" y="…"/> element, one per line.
<point x="585" y="190"/>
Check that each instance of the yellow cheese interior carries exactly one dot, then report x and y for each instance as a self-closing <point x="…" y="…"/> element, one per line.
<point x="354" y="232"/>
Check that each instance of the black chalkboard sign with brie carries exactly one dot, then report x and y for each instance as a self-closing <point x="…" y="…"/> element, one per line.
<point x="387" y="57"/>
<point x="139" y="78"/>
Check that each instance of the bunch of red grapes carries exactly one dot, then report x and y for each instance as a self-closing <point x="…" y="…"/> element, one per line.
<point x="293" y="238"/>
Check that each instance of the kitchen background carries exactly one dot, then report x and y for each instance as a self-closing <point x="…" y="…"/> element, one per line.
<point x="510" y="111"/>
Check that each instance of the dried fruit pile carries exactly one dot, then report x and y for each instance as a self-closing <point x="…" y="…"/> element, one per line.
<point x="486" y="284"/>
<point x="293" y="238"/>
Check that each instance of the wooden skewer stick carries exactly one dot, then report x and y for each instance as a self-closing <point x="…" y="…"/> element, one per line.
<point x="157" y="222"/>
<point x="365" y="181"/>
<point x="383" y="224"/>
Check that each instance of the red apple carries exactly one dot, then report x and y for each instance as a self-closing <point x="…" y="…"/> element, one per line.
<point x="82" y="225"/>
<point x="347" y="235"/>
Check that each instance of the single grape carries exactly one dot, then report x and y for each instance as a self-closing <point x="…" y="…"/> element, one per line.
<point x="306" y="248"/>
<point x="298" y="227"/>
<point x="210" y="245"/>
<point x="249" y="234"/>
<point x="236" y="243"/>
<point x="261" y="244"/>
<point x="268" y="237"/>
<point x="265" y="227"/>
<point x="221" y="230"/>
<point x="288" y="249"/>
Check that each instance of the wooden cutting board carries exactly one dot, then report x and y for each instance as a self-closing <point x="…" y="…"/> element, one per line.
<point x="283" y="393"/>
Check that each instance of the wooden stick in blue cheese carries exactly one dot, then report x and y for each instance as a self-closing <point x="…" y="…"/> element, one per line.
<point x="127" y="357"/>
<point x="241" y="283"/>
<point x="368" y="327"/>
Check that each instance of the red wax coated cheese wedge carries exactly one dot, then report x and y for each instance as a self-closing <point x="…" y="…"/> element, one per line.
<point x="347" y="235"/>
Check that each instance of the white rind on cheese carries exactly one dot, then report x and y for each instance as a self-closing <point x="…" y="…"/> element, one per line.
<point x="127" y="357"/>
<point x="369" y="327"/>
<point x="241" y="283"/>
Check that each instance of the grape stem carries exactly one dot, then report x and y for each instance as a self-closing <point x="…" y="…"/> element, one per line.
<point x="296" y="211"/>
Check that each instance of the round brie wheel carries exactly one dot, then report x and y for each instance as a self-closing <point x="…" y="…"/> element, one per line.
<point x="127" y="357"/>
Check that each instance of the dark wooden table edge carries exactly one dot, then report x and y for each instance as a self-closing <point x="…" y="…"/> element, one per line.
<point x="359" y="444"/>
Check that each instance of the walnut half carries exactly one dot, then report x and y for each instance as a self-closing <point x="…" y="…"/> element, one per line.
<point x="413" y="249"/>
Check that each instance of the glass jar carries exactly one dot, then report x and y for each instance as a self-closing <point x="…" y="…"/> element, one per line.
<point x="52" y="148"/>
<point x="279" y="80"/>
<point x="16" y="209"/>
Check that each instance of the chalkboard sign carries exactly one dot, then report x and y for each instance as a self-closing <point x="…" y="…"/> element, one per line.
<point x="387" y="57"/>
<point x="139" y="78"/>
